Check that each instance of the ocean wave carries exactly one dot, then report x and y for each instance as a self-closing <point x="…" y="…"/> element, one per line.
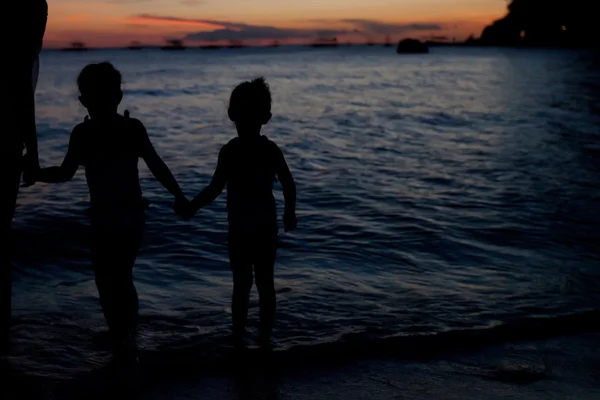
<point x="433" y="198"/>
<point x="198" y="357"/>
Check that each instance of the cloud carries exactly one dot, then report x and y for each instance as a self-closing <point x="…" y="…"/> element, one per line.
<point x="127" y="1"/>
<point x="78" y="17"/>
<point x="236" y="31"/>
<point x="228" y="30"/>
<point x="252" y="32"/>
<point x="385" y="28"/>
<point x="149" y="18"/>
<point x="184" y="2"/>
<point x="192" y="2"/>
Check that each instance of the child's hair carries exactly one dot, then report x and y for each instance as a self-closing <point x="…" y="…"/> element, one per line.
<point x="101" y="84"/>
<point x="251" y="102"/>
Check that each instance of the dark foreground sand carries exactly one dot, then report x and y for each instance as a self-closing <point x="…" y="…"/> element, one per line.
<point x="561" y="368"/>
<point x="566" y="367"/>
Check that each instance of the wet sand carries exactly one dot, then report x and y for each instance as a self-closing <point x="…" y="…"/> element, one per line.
<point x="566" y="367"/>
<point x="561" y="368"/>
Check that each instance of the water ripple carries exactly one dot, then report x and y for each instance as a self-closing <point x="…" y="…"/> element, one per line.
<point x="453" y="191"/>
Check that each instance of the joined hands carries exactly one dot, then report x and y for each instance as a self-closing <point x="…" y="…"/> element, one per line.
<point x="183" y="208"/>
<point x="31" y="169"/>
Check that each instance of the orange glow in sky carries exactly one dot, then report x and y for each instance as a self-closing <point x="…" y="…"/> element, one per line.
<point x="107" y="23"/>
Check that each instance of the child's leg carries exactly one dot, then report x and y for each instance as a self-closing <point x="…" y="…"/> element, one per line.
<point x="126" y="303"/>
<point x="114" y="250"/>
<point x="264" y="267"/>
<point x="241" y="267"/>
<point x="103" y="277"/>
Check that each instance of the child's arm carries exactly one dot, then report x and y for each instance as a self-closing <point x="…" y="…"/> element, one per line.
<point x="158" y="167"/>
<point x="289" y="191"/>
<point x="68" y="167"/>
<point x="214" y="189"/>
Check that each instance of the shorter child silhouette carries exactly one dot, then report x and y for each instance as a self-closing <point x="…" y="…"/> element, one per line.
<point x="248" y="165"/>
<point x="109" y="146"/>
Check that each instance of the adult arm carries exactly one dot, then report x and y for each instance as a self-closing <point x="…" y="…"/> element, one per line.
<point x="25" y="81"/>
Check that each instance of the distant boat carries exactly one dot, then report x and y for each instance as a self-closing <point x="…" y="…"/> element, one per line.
<point x="388" y="41"/>
<point x="325" y="42"/>
<point x="135" y="46"/>
<point x="236" y="44"/>
<point x="274" y="44"/>
<point x="211" y="47"/>
<point x="174" y="45"/>
<point x="76" y="46"/>
<point x="412" y="46"/>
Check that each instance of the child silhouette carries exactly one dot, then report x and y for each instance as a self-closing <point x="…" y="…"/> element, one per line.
<point x="109" y="146"/>
<point x="248" y="166"/>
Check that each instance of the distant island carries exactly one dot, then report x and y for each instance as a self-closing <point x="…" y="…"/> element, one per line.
<point x="412" y="46"/>
<point x="325" y="42"/>
<point x="135" y="46"/>
<point x="174" y="44"/>
<point x="528" y="23"/>
<point x="543" y="23"/>
<point x="76" y="47"/>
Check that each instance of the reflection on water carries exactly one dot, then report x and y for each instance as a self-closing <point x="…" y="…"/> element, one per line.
<point x="451" y="190"/>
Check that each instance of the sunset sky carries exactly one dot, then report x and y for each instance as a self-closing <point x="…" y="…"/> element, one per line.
<point x="119" y="22"/>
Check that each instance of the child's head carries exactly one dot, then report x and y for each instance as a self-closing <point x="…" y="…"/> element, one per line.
<point x="100" y="88"/>
<point x="250" y="105"/>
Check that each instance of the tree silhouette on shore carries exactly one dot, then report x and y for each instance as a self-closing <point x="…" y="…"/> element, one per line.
<point x="567" y="23"/>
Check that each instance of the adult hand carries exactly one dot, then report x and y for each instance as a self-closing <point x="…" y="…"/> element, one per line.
<point x="31" y="168"/>
<point x="183" y="208"/>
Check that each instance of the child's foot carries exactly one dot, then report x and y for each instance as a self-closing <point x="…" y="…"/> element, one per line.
<point x="4" y="343"/>
<point x="125" y="347"/>
<point x="126" y="361"/>
<point x="5" y="338"/>
<point x="266" y="344"/>
<point x="239" y="342"/>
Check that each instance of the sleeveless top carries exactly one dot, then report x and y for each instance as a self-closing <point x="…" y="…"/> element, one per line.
<point x="110" y="152"/>
<point x="250" y="167"/>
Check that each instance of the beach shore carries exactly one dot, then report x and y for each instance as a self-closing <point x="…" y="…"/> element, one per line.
<point x="559" y="368"/>
<point x="565" y="367"/>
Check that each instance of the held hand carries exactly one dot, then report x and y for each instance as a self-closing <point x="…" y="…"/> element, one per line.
<point x="290" y="222"/>
<point x="31" y="168"/>
<point x="182" y="207"/>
